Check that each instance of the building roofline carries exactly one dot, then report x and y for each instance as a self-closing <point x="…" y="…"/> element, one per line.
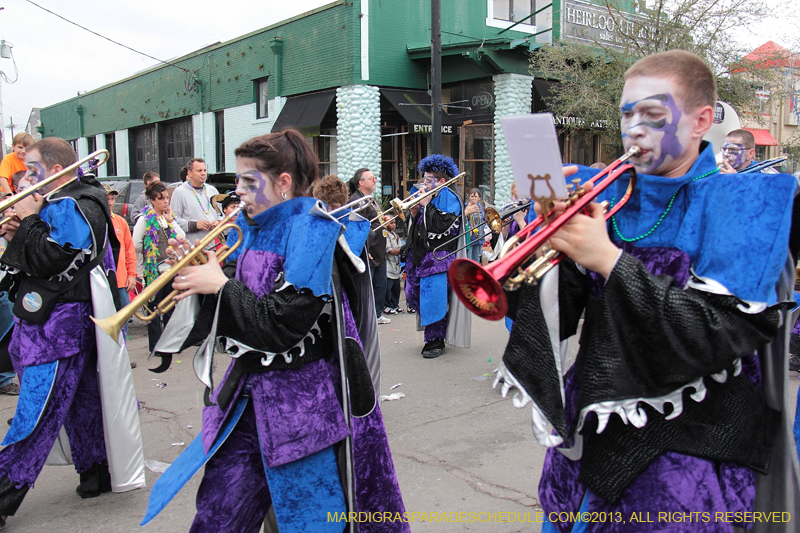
<point x="204" y="50"/>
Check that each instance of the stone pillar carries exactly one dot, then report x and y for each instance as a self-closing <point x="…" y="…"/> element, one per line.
<point x="512" y="96"/>
<point x="358" y="129"/>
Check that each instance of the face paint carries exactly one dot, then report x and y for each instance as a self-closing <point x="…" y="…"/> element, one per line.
<point x="650" y="116"/>
<point x="733" y="153"/>
<point x="35" y="173"/>
<point x="251" y="188"/>
<point x="429" y="180"/>
<point x="654" y="119"/>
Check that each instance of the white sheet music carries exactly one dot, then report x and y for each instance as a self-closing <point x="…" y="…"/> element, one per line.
<point x="533" y="149"/>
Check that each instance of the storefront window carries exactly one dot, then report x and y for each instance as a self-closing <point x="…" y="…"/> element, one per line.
<point x="389" y="171"/>
<point x="326" y="152"/>
<point x="478" y="163"/>
<point x="582" y="148"/>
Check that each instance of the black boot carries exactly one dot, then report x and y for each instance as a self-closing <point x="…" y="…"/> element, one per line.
<point x="94" y="482"/>
<point x="10" y="496"/>
<point x="434" y="349"/>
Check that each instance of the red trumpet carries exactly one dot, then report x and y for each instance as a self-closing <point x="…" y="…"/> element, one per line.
<point x="481" y="289"/>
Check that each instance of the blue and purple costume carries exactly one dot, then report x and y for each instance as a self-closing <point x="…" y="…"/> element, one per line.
<point x="675" y="400"/>
<point x="72" y="375"/>
<point x="281" y="430"/>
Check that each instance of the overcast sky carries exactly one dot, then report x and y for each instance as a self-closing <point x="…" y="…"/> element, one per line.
<point x="55" y="59"/>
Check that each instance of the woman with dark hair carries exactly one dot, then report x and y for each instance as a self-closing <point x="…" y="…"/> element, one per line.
<point x="294" y="424"/>
<point x="153" y="229"/>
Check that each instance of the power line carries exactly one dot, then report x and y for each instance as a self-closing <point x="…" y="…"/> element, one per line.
<point x="110" y="40"/>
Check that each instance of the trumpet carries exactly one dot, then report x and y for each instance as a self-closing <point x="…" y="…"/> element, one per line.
<point x="12" y="200"/>
<point x="195" y="256"/>
<point x="482" y="289"/>
<point x="493" y="219"/>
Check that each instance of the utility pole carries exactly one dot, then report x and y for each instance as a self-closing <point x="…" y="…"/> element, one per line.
<point x="2" y="118"/>
<point x="436" y="76"/>
<point x="11" y="126"/>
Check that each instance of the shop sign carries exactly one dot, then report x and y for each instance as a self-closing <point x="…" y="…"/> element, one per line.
<point x="447" y="129"/>
<point x="480" y="98"/>
<point x="587" y="23"/>
<point x="580" y="122"/>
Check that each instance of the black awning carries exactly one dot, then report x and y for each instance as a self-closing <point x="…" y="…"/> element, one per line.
<point x="304" y="112"/>
<point x="415" y="108"/>
<point x="542" y="90"/>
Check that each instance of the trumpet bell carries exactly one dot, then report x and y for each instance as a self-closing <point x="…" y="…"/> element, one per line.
<point x="477" y="289"/>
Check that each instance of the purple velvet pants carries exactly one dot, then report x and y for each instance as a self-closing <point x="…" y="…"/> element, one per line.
<point x="74" y="403"/>
<point x="233" y="495"/>
<point x="434" y="331"/>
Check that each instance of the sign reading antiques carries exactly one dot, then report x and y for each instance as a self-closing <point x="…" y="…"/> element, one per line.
<point x="590" y="24"/>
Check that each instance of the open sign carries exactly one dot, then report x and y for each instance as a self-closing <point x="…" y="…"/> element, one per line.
<point x="482" y="100"/>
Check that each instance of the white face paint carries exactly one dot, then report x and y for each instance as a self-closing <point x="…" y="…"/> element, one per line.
<point x="254" y="187"/>
<point x="655" y="120"/>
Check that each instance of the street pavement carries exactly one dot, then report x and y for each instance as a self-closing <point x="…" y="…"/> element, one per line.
<point x="458" y="447"/>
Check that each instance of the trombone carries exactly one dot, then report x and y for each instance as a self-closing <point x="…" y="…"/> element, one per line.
<point x="355" y="206"/>
<point x="195" y="256"/>
<point x="401" y="206"/>
<point x="12" y="200"/>
<point x="493" y="219"/>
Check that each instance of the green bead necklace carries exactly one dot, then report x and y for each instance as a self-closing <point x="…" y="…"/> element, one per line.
<point x="663" y="215"/>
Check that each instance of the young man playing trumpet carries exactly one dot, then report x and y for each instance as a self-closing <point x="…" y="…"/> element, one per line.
<point x="675" y="402"/>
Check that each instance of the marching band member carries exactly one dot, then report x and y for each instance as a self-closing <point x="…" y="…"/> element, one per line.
<point x="427" y="291"/>
<point x="60" y="259"/>
<point x="675" y="401"/>
<point x="294" y="425"/>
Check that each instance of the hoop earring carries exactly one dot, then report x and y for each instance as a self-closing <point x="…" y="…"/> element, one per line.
<point x="283" y="195"/>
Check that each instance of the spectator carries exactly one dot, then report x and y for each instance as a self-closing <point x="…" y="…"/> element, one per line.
<point x="362" y="184"/>
<point x="141" y="200"/>
<point x="393" y="268"/>
<point x="150" y="235"/>
<point x="126" y="262"/>
<point x="191" y="202"/>
<point x="475" y="215"/>
<point x="15" y="161"/>
<point x="7" y="385"/>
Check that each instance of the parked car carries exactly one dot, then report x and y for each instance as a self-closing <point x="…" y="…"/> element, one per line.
<point x="128" y="191"/>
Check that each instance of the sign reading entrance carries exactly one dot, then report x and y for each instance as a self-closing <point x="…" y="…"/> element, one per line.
<point x="427" y="128"/>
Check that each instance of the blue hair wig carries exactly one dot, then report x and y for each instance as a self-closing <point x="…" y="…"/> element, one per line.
<point x="438" y="163"/>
